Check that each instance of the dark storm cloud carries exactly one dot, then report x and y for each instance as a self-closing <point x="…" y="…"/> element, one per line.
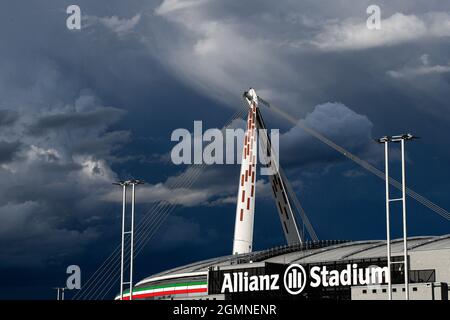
<point x="67" y="92"/>
<point x="7" y="117"/>
<point x="335" y="120"/>
<point x="301" y="54"/>
<point x="55" y="159"/>
<point x="9" y="151"/>
<point x="102" y="145"/>
<point x="76" y="120"/>
<point x="298" y="152"/>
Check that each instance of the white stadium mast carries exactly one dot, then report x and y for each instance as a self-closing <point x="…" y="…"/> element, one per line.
<point x="245" y="209"/>
<point x="282" y="191"/>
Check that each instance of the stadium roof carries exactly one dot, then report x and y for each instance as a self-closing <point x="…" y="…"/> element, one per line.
<point x="322" y="251"/>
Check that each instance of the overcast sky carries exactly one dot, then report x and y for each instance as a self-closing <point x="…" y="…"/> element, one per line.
<point x="80" y="109"/>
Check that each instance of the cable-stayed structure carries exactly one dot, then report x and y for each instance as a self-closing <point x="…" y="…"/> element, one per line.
<point x="364" y="164"/>
<point x="105" y="275"/>
<point x="229" y="277"/>
<point x="291" y="213"/>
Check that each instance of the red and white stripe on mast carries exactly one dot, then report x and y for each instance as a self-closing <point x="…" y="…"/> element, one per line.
<point x="245" y="209"/>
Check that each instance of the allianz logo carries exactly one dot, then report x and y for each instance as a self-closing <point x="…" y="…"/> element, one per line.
<point x="295" y="279"/>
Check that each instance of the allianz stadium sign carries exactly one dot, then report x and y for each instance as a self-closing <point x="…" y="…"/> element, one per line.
<point x="295" y="279"/>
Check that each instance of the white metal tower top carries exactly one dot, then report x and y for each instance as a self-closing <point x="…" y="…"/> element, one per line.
<point x="251" y="96"/>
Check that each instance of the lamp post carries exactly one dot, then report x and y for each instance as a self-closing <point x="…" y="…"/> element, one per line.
<point x="386" y="140"/>
<point x="124" y="185"/>
<point x="133" y="184"/>
<point x="59" y="293"/>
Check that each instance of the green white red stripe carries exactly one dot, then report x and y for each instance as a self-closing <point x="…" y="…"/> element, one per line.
<point x="167" y="289"/>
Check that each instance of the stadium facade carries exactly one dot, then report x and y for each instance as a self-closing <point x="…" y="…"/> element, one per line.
<point x="429" y="274"/>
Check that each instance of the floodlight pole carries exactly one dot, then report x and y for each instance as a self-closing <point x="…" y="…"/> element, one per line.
<point x="59" y="293"/>
<point x="132" y="240"/>
<point x="133" y="184"/>
<point x="124" y="185"/>
<point x="130" y="232"/>
<point x="386" y="140"/>
<point x="388" y="218"/>
<point x="405" y="238"/>
<point x="124" y="199"/>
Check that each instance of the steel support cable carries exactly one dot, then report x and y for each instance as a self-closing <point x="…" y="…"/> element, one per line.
<point x="140" y="226"/>
<point x="142" y="244"/>
<point x="306" y="223"/>
<point x="154" y="228"/>
<point x="265" y="144"/>
<point x="424" y="201"/>
<point x="162" y="213"/>
<point x="164" y="208"/>
<point x="175" y="184"/>
<point x="150" y="215"/>
<point x="107" y="265"/>
<point x="108" y="282"/>
<point x="106" y="270"/>
<point x="96" y="273"/>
